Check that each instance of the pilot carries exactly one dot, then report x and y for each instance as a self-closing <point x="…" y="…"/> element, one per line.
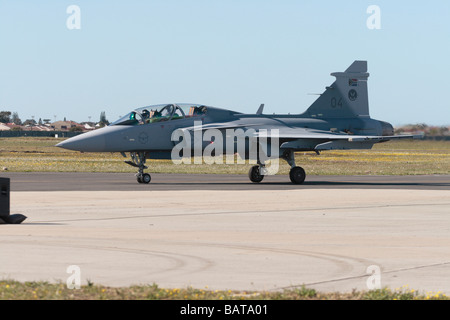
<point x="155" y="116"/>
<point x="145" y="115"/>
<point x="201" y="110"/>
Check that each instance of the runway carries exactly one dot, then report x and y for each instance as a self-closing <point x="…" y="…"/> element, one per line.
<point x="75" y="181"/>
<point x="223" y="232"/>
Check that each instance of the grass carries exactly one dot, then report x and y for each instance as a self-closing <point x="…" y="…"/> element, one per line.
<point x="13" y="290"/>
<point x="415" y="157"/>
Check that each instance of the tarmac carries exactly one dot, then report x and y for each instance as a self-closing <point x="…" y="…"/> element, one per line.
<point x="222" y="232"/>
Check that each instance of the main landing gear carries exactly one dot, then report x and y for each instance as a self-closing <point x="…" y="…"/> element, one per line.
<point x="296" y="174"/>
<point x="138" y="161"/>
<point x="255" y="174"/>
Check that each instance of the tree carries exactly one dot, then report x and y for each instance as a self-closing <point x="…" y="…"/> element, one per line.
<point x="15" y="118"/>
<point x="444" y="130"/>
<point x="5" y="116"/>
<point x="76" y="129"/>
<point x="29" y="122"/>
<point x="103" y="121"/>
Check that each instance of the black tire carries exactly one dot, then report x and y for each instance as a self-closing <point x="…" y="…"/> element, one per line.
<point x="254" y="174"/>
<point x="297" y="175"/>
<point x="139" y="178"/>
<point x="146" y="178"/>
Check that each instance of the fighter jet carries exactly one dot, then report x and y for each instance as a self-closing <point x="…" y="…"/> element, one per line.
<point x="338" y="119"/>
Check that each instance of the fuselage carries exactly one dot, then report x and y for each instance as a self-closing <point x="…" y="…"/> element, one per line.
<point x="135" y="133"/>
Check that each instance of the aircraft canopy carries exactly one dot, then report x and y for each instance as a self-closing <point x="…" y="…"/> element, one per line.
<point x="161" y="112"/>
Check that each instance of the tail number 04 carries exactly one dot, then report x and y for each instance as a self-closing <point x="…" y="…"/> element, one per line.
<point x="336" y="103"/>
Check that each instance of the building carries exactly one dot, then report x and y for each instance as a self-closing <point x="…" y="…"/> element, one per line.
<point x="65" y="125"/>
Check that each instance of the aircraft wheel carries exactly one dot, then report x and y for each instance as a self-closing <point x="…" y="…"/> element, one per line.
<point x="254" y="174"/>
<point x="146" y="178"/>
<point x="297" y="175"/>
<point x="139" y="178"/>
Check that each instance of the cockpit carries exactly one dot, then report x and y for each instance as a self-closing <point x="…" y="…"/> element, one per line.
<point x="160" y="113"/>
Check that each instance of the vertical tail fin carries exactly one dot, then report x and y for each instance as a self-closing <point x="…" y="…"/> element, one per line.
<point x="347" y="97"/>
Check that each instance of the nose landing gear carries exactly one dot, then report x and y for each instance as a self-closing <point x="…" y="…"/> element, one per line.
<point x="138" y="161"/>
<point x="143" y="178"/>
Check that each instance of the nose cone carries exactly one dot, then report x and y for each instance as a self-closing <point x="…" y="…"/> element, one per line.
<point x="93" y="141"/>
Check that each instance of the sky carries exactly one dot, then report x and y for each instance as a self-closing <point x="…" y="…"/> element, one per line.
<point x="224" y="53"/>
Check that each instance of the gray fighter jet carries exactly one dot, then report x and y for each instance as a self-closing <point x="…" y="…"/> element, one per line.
<point x="338" y="119"/>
